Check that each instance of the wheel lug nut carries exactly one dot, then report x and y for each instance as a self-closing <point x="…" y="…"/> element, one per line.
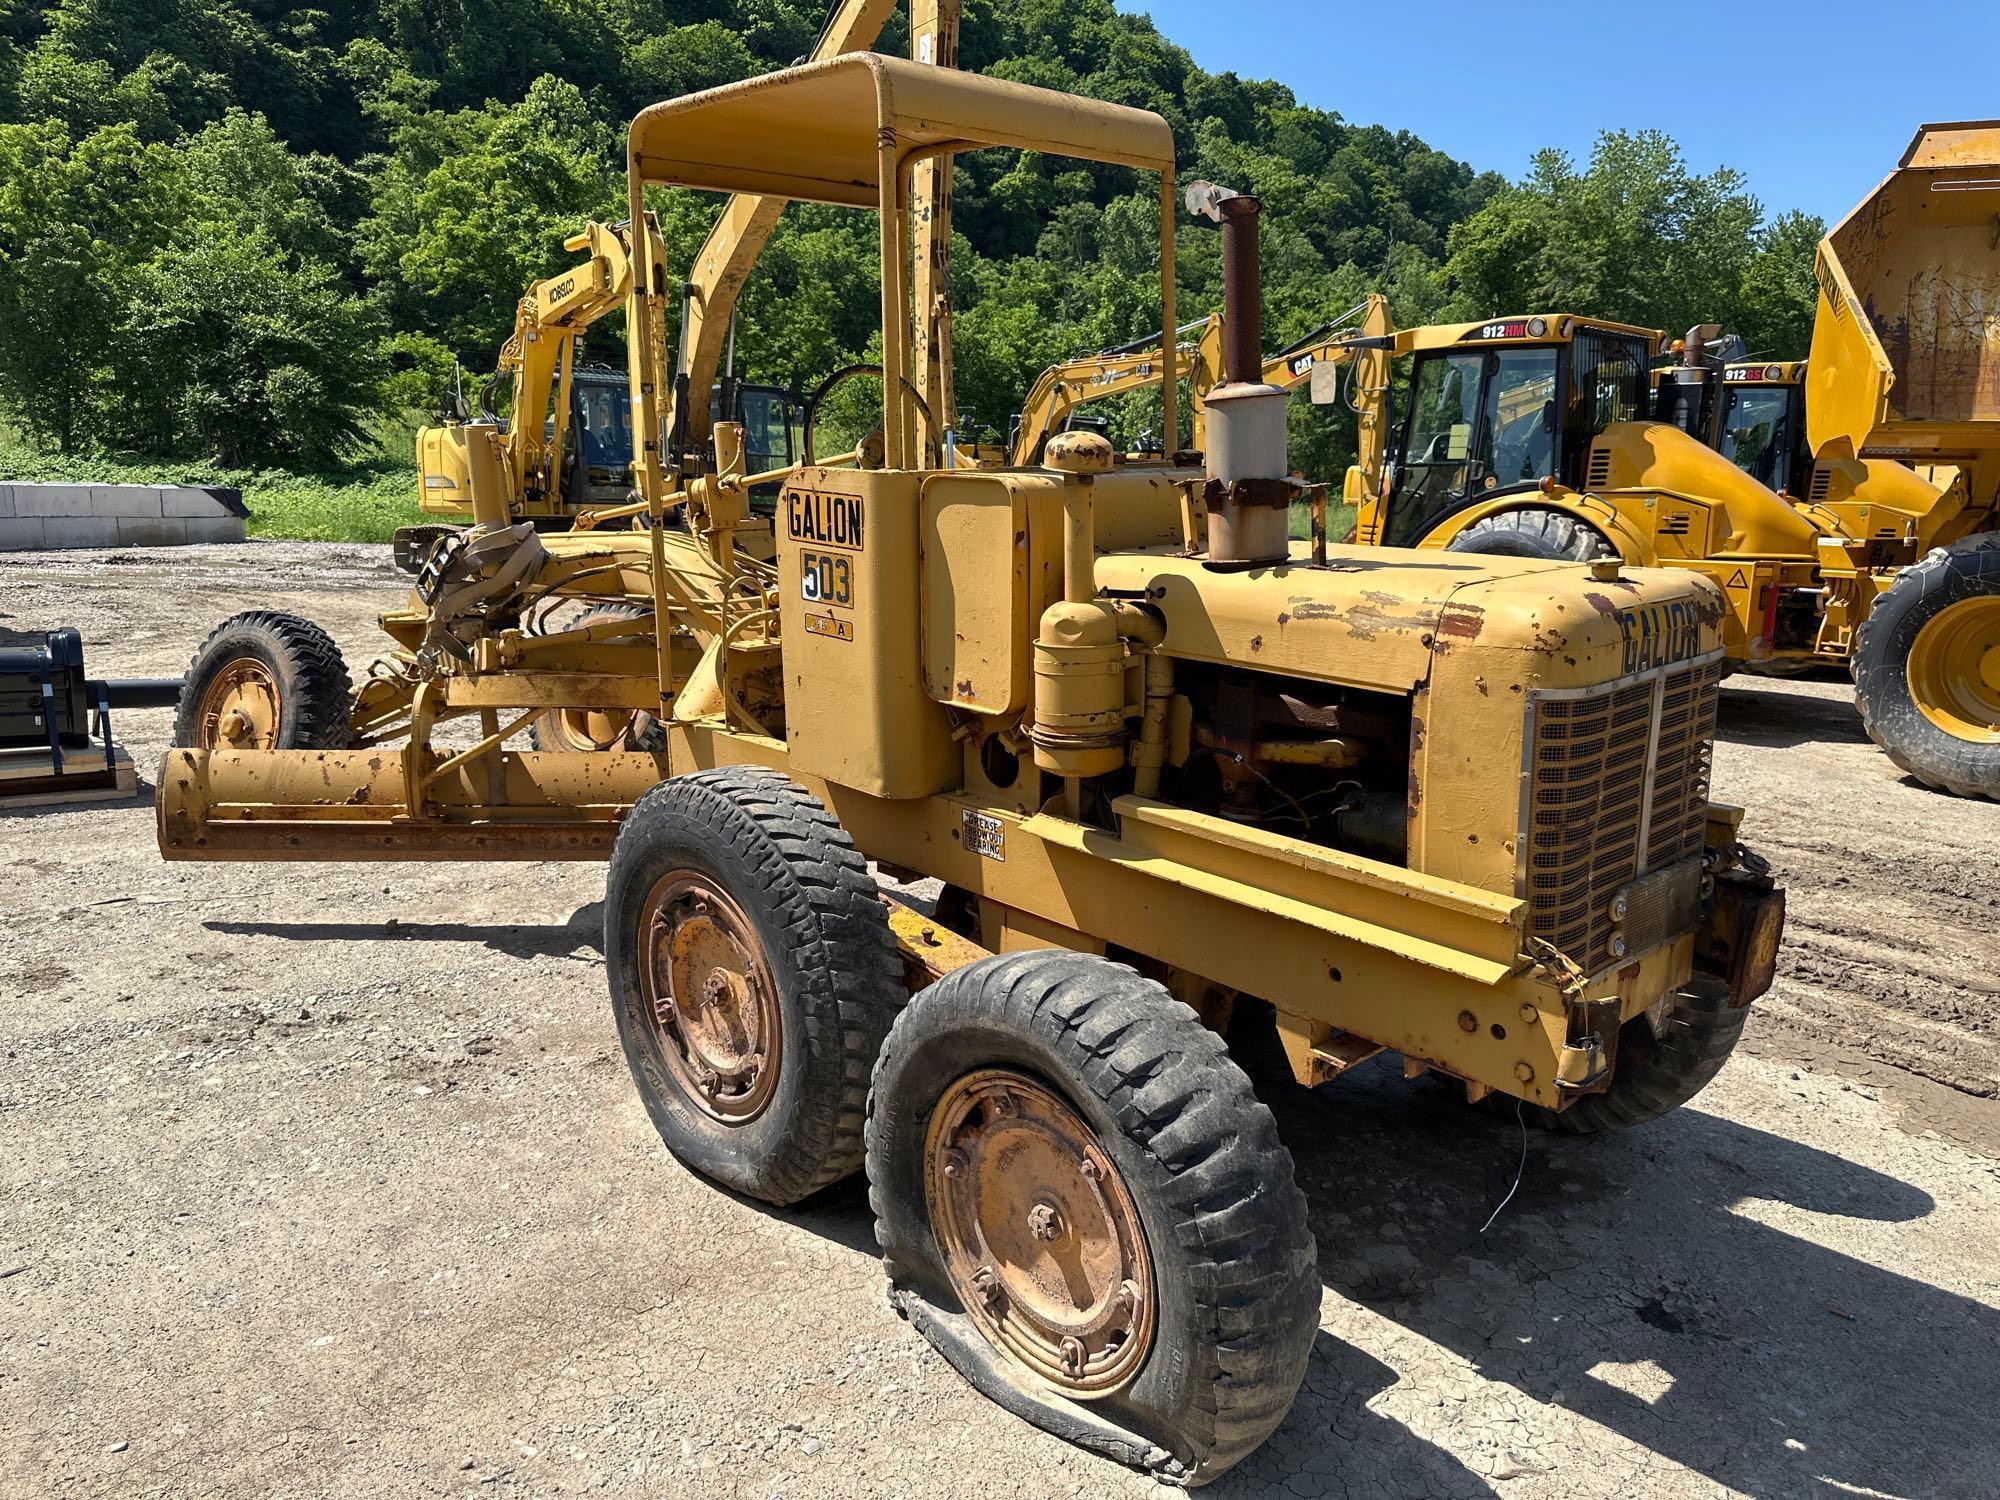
<point x="1004" y="1104"/>
<point x="987" y="1282"/>
<point x="1089" y="1167"/>
<point x="1044" y="1223"/>
<point x="1074" y="1355"/>
<point x="953" y="1161"/>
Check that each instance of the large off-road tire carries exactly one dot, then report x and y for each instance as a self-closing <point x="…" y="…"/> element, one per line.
<point x="1179" y="1261"/>
<point x="265" y="680"/>
<point x="753" y="976"/>
<point x="1535" y="532"/>
<point x="599" y="728"/>
<point x="1927" y="669"/>
<point x="1655" y="1073"/>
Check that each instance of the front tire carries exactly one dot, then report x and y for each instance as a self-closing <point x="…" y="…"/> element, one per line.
<point x="1927" y="669"/>
<point x="1539" y="532"/>
<point x="1119" y="1250"/>
<point x="753" y="976"/>
<point x="265" y="680"/>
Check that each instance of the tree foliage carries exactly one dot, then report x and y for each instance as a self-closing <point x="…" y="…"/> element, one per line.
<point x="240" y="230"/>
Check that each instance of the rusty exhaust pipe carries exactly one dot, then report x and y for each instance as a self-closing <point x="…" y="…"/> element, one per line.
<point x="1248" y="493"/>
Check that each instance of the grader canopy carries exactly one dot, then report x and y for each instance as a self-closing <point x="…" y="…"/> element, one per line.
<point x="851" y="130"/>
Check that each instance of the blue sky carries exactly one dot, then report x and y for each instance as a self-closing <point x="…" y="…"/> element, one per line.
<point x="1493" y="82"/>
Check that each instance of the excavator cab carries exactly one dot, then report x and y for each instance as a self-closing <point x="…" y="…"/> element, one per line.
<point x="1505" y="407"/>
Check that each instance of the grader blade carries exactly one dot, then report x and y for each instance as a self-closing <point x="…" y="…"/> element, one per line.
<point x="357" y="804"/>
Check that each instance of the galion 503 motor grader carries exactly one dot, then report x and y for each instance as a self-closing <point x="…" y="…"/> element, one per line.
<point x="1168" y="766"/>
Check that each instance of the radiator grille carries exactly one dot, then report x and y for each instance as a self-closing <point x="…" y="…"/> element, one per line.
<point x="1618" y="787"/>
<point x="1822" y="484"/>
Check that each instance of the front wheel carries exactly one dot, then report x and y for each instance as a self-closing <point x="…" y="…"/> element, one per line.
<point x="1927" y="669"/>
<point x="1081" y="1203"/>
<point x="265" y="680"/>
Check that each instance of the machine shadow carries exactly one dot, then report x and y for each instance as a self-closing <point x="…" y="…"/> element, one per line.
<point x="1630" y="1281"/>
<point x="583" y="929"/>
<point x="1765" y="716"/>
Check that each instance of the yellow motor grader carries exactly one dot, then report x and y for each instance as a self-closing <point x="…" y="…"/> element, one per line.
<point x="1168" y="767"/>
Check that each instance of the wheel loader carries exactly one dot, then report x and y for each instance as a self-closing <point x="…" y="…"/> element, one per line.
<point x="1173" y="774"/>
<point x="1534" y="436"/>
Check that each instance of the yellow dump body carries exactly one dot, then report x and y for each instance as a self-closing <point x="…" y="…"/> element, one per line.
<point x="1906" y="342"/>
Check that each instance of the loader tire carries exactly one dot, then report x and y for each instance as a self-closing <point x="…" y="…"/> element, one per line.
<point x="753" y="977"/>
<point x="599" y="729"/>
<point x="265" y="680"/>
<point x="1927" y="669"/>
<point x="1657" y="1072"/>
<point x="1538" y="532"/>
<point x="1179" y="1260"/>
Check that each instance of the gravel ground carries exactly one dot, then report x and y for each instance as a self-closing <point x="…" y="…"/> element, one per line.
<point x="328" y="1180"/>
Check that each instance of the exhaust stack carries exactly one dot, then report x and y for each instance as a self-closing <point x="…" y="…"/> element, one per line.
<point x="1248" y="493"/>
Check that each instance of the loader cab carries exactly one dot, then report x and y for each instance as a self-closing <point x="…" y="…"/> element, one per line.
<point x="1760" y="425"/>
<point x="1501" y="407"/>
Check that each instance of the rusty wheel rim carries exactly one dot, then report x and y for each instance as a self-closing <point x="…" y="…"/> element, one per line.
<point x="710" y="997"/>
<point x="587" y="728"/>
<point x="1040" y="1237"/>
<point x="241" y="707"/>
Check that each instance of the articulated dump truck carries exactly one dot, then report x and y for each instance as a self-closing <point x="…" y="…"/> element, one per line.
<point x="1175" y="774"/>
<point x="1905" y="367"/>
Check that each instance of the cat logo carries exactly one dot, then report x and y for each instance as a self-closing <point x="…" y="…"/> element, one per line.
<point x="1658" y="635"/>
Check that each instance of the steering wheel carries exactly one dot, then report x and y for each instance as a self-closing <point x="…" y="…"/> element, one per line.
<point x="850" y="372"/>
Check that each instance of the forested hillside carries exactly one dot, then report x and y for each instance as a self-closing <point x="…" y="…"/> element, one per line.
<point x="238" y="231"/>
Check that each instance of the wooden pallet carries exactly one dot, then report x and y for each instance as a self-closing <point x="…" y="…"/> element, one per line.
<point x="28" y="777"/>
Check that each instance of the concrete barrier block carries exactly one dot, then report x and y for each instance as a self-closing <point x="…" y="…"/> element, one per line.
<point x="187" y="500"/>
<point x="51" y="499"/>
<point x="79" y="531"/>
<point x="20" y="534"/>
<point x="151" y="531"/>
<point x="214" y="528"/>
<point x="125" y="500"/>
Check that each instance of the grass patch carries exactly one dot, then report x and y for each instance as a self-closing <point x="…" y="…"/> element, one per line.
<point x="363" y="502"/>
<point x="1339" y="521"/>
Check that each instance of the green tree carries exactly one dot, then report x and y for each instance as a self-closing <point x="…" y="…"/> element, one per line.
<point x="230" y="352"/>
<point x="76" y="218"/>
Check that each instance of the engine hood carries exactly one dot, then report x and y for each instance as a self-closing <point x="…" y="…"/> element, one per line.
<point x="1376" y="618"/>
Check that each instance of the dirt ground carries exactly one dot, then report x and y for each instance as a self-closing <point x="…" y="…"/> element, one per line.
<point x="328" y="1180"/>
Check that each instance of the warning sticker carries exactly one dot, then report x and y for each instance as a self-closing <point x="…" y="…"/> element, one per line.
<point x="1738" y="581"/>
<point x="985" y="835"/>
